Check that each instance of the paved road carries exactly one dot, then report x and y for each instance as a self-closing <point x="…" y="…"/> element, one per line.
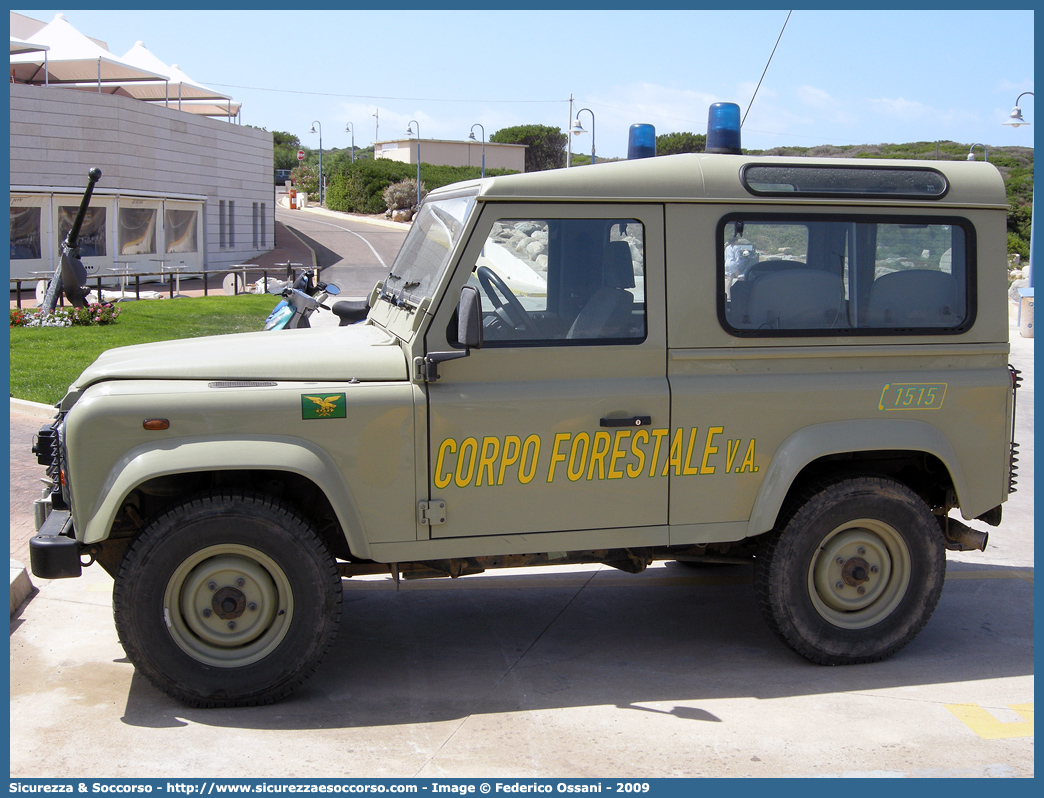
<point x="564" y="671"/>
<point x="351" y="253"/>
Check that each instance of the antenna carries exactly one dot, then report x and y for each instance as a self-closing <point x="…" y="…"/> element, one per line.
<point x="766" y="66"/>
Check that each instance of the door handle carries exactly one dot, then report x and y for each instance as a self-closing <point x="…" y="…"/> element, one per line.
<point x="634" y="421"/>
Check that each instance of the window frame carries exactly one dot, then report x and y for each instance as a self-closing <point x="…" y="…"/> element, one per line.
<point x="770" y="217"/>
<point x="841" y="168"/>
<point x="555" y="289"/>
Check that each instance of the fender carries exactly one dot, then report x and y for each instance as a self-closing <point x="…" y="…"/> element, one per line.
<point x="811" y="443"/>
<point x="186" y="455"/>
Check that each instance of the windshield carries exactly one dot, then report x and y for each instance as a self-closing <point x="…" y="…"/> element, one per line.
<point x="425" y="253"/>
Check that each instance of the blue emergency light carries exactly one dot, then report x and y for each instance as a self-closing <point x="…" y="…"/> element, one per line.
<point x="641" y="141"/>
<point x="723" y="129"/>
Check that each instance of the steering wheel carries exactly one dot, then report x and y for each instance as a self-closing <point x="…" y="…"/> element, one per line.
<point x="509" y="310"/>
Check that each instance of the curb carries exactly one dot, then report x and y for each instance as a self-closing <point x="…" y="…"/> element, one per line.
<point x="349" y="216"/>
<point x="21" y="587"/>
<point x="34" y="409"/>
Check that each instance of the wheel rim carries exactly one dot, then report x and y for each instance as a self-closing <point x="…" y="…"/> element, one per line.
<point x="859" y="573"/>
<point x="228" y="606"/>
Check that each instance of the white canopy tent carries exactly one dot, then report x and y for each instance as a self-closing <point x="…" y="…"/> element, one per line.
<point x="178" y="88"/>
<point x="73" y="58"/>
<point x="22" y="46"/>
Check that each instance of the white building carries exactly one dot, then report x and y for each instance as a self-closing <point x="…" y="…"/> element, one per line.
<point x="180" y="189"/>
<point x="453" y="153"/>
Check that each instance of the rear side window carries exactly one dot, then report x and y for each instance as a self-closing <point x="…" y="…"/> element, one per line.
<point x="817" y="275"/>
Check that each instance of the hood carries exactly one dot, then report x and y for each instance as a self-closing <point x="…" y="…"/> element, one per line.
<point x="359" y="351"/>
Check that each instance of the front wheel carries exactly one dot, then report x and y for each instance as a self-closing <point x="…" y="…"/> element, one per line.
<point x="229" y="599"/>
<point x="854" y="574"/>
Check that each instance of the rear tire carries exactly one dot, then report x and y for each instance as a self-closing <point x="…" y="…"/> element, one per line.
<point x="230" y="599"/>
<point x="855" y="572"/>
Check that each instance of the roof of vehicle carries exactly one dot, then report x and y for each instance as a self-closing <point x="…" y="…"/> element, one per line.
<point x="699" y="177"/>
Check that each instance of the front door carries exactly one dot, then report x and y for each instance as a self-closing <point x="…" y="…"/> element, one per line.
<point x="558" y="422"/>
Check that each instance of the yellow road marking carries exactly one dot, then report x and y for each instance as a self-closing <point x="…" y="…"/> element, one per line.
<point x="988" y="727"/>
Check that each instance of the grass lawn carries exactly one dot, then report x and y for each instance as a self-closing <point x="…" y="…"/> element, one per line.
<point x="46" y="360"/>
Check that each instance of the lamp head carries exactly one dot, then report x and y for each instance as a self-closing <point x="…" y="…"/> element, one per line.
<point x="1015" y="120"/>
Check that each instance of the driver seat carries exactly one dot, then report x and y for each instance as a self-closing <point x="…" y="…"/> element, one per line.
<point x="608" y="313"/>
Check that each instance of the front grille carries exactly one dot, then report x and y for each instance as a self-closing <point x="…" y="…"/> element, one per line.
<point x="1013" y="456"/>
<point x="47" y="447"/>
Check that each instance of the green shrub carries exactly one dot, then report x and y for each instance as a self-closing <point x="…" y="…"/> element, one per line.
<point x="403" y="195"/>
<point x="359" y="187"/>
<point x="306" y="178"/>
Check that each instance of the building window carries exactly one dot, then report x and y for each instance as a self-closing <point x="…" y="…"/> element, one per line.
<point x="231" y="223"/>
<point x="221" y="224"/>
<point x="91" y="241"/>
<point x="25" y="233"/>
<point x="137" y="231"/>
<point x="180" y="230"/>
<point x="254" y="220"/>
<point x="264" y="237"/>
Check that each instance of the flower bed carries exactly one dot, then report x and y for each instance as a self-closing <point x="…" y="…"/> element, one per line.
<point x="94" y="314"/>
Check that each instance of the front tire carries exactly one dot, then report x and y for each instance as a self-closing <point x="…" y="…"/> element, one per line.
<point x="230" y="599"/>
<point x="855" y="572"/>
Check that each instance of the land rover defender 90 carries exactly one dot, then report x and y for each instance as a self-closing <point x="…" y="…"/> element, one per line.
<point x="560" y="368"/>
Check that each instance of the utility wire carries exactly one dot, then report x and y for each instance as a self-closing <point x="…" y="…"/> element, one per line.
<point x="766" y="67"/>
<point x="374" y="96"/>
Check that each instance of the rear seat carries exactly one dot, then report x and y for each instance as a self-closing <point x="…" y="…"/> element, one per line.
<point x="914" y="298"/>
<point x="807" y="299"/>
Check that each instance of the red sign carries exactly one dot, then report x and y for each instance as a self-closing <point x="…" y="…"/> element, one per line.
<point x="300" y="155"/>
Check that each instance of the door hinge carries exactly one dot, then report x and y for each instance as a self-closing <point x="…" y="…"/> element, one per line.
<point x="431" y="513"/>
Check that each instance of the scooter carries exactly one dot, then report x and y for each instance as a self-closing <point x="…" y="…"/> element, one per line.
<point x="301" y="299"/>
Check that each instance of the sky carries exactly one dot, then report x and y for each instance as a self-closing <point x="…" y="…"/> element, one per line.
<point x="837" y="77"/>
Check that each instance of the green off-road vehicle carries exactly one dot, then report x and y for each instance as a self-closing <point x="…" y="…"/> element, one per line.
<point x="559" y="368"/>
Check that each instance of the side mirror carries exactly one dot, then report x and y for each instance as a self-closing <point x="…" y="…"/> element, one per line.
<point x="469" y="318"/>
<point x="469" y="334"/>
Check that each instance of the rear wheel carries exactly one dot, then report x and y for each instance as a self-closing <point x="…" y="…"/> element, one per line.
<point x="855" y="572"/>
<point x="226" y="600"/>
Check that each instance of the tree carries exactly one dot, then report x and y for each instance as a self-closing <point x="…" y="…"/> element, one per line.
<point x="284" y="149"/>
<point x="674" y="143"/>
<point x="545" y="146"/>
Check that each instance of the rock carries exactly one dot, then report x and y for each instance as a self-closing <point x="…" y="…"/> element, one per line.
<point x="402" y="215"/>
<point x="535" y="247"/>
<point x="1013" y="290"/>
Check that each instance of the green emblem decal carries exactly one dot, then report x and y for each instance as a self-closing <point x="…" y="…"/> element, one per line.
<point x="322" y="406"/>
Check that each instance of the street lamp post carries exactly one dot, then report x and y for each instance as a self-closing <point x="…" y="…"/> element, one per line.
<point x="320" y="161"/>
<point x="349" y="129"/>
<point x="409" y="132"/>
<point x="1015" y="120"/>
<point x="971" y="152"/>
<point x="569" y="141"/>
<point x="577" y="129"/>
<point x="472" y="137"/>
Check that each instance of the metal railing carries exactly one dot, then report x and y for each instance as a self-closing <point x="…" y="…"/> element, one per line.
<point x="286" y="270"/>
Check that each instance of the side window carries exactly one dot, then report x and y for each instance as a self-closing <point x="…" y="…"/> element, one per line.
<point x="822" y="275"/>
<point x="570" y="281"/>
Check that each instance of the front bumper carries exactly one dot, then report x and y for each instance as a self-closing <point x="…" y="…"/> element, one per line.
<point x="54" y="553"/>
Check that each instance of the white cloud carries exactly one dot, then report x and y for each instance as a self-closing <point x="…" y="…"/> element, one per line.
<point x="901" y="107"/>
<point x="815" y="98"/>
